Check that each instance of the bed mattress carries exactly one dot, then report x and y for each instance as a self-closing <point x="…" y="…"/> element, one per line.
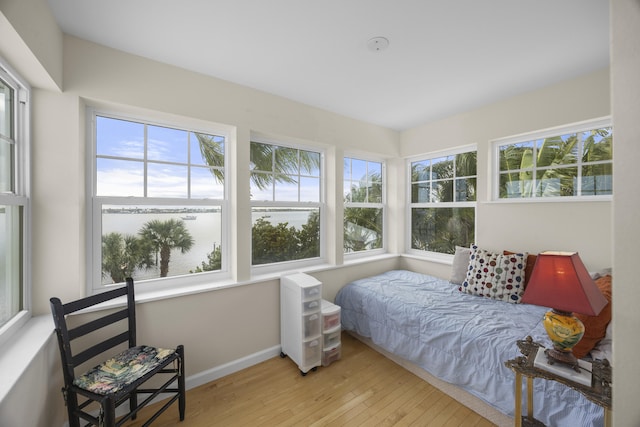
<point x="460" y="338"/>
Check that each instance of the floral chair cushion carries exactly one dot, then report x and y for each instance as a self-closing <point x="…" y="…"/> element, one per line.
<point x="122" y="370"/>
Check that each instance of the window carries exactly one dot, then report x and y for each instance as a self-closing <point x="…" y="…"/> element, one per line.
<point x="363" y="192"/>
<point x="573" y="161"/>
<point x="158" y="200"/>
<point x="14" y="202"/>
<point x="286" y="201"/>
<point x="442" y="206"/>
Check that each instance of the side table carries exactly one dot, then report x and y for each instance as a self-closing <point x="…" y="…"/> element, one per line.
<point x="599" y="392"/>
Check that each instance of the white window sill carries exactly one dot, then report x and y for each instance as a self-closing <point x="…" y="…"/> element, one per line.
<point x="566" y="199"/>
<point x="438" y="259"/>
<point x="21" y="349"/>
<point x="148" y="294"/>
<point x="154" y="294"/>
<point x="355" y="260"/>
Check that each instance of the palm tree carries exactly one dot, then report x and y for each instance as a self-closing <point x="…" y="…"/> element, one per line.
<point x="363" y="225"/>
<point x="439" y="227"/>
<point x="164" y="236"/>
<point x="597" y="153"/>
<point x="212" y="150"/>
<point x="359" y="238"/>
<point x="556" y="161"/>
<point x="268" y="163"/>
<point x="279" y="163"/>
<point x="123" y="254"/>
<point x="283" y="161"/>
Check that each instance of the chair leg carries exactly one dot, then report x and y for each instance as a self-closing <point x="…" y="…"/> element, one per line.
<point x="109" y="412"/>
<point x="72" y="407"/>
<point x="133" y="403"/>
<point x="182" y="401"/>
<point x="74" y="420"/>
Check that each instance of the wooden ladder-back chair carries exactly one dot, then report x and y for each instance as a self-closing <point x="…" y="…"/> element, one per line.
<point x="118" y="379"/>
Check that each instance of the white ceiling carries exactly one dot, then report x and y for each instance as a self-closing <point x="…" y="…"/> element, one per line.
<point x="444" y="56"/>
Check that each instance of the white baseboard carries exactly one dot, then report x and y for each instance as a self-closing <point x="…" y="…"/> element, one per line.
<point x="231" y="367"/>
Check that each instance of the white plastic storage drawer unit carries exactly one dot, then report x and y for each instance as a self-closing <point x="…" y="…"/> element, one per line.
<point x="301" y="320"/>
<point x="331" y="330"/>
<point x="331" y="354"/>
<point x="331" y="337"/>
<point x="330" y="315"/>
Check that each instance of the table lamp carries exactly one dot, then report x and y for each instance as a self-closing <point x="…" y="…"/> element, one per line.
<point x="560" y="280"/>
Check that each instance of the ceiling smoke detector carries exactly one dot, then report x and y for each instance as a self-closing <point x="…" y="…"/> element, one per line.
<point x="376" y="44"/>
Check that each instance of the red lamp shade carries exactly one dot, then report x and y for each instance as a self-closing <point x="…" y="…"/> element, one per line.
<point x="560" y="280"/>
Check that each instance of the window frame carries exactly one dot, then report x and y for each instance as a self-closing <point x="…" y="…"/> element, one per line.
<point x="280" y="266"/>
<point x="581" y="126"/>
<point x="95" y="202"/>
<point x="21" y="194"/>
<point x="436" y="256"/>
<point x="381" y="205"/>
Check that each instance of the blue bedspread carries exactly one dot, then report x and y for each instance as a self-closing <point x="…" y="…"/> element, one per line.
<point x="462" y="339"/>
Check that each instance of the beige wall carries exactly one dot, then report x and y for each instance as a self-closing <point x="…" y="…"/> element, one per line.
<point x="218" y="327"/>
<point x="36" y="400"/>
<point x="32" y="41"/>
<point x="99" y="76"/>
<point x="335" y="278"/>
<point x="96" y="72"/>
<point x="625" y="69"/>
<point x="534" y="227"/>
<point x="221" y="326"/>
<point x="58" y="250"/>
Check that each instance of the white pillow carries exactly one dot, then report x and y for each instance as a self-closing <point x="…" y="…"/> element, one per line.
<point x="460" y="265"/>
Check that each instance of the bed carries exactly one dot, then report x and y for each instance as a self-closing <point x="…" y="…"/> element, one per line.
<point x="459" y="338"/>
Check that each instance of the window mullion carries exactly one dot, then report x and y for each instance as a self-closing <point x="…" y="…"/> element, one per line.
<point x="146" y="162"/>
<point x="189" y="165"/>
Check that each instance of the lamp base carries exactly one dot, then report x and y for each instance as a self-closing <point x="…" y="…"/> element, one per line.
<point x="565" y="331"/>
<point x="563" y="357"/>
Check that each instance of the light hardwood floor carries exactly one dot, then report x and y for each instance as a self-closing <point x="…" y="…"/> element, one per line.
<point x="364" y="388"/>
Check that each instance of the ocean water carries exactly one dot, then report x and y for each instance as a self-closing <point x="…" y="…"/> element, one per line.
<point x="206" y="230"/>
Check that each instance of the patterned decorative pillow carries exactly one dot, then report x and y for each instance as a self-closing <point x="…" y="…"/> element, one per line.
<point x="531" y="262"/>
<point x="494" y="275"/>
